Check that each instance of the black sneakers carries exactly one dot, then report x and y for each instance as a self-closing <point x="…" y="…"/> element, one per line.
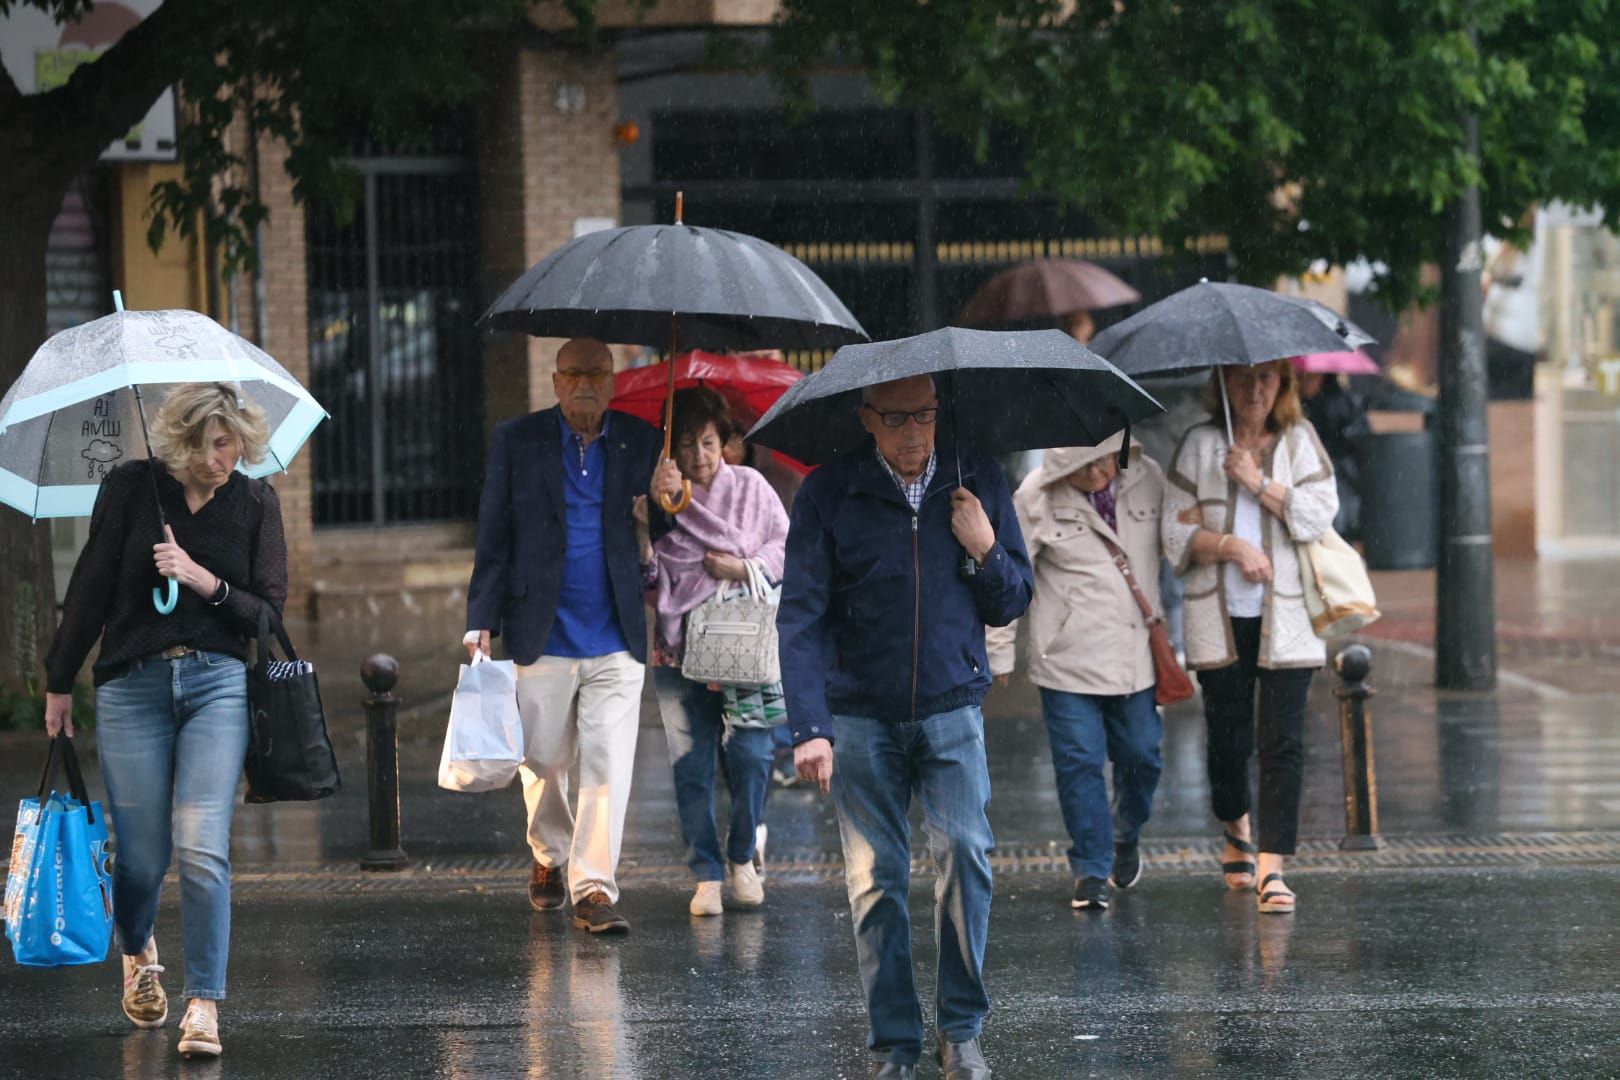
<point x="1127" y="865"/>
<point x="1090" y="893"/>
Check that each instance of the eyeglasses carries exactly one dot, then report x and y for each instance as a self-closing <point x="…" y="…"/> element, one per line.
<point x="924" y="417"/>
<point x="578" y="376"/>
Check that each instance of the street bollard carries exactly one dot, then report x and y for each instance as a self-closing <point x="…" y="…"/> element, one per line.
<point x="1353" y="664"/>
<point x="380" y="673"/>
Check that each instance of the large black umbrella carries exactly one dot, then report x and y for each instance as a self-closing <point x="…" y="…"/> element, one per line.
<point x="1217" y="324"/>
<point x="726" y="291"/>
<point x="678" y="286"/>
<point x="999" y="391"/>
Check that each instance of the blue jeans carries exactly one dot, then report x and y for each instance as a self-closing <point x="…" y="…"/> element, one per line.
<point x="698" y="740"/>
<point x="877" y="768"/>
<point x="1086" y="729"/>
<point x="172" y="735"/>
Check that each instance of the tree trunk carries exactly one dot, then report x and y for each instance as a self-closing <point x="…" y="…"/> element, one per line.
<point x="27" y="583"/>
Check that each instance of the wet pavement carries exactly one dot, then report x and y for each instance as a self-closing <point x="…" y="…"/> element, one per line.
<point x="1483" y="940"/>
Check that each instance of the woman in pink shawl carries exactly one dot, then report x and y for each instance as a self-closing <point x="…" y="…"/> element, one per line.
<point x="735" y="517"/>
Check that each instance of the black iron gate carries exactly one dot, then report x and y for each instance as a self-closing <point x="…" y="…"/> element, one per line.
<point x="393" y="351"/>
<point x="901" y="221"/>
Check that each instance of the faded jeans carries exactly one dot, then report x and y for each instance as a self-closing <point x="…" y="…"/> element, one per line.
<point x="172" y="735"/>
<point x="1086" y="732"/>
<point x="698" y="742"/>
<point x="877" y="768"/>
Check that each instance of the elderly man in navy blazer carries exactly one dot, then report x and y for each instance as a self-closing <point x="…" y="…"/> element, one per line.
<point x="557" y="574"/>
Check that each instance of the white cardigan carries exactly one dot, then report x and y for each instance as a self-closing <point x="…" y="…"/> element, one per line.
<point x="1200" y="495"/>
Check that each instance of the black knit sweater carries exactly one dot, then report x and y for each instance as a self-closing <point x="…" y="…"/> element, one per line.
<point x="237" y="536"/>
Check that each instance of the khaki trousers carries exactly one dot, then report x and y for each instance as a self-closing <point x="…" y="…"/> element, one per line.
<point x="591" y="708"/>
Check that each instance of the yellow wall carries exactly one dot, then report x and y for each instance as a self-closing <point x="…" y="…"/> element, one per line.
<point x="173" y="277"/>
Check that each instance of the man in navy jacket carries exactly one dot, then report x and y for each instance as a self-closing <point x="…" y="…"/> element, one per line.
<point x="557" y="573"/>
<point x="884" y="667"/>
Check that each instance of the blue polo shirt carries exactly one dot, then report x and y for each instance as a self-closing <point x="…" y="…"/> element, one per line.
<point x="587" y="623"/>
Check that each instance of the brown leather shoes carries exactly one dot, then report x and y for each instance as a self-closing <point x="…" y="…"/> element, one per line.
<point x="595" y="913"/>
<point x="548" y="887"/>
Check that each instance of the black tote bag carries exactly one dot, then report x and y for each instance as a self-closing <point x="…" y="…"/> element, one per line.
<point x="289" y="756"/>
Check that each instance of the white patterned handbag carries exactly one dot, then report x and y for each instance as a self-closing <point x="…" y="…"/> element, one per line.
<point x="731" y="636"/>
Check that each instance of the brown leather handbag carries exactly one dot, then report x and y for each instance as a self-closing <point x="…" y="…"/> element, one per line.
<point x="1171" y="683"/>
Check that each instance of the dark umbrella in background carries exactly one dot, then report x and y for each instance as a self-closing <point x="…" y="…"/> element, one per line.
<point x="999" y="391"/>
<point x="1018" y="390"/>
<point x="1045" y="289"/>
<point x="676" y="286"/>
<point x="1217" y="324"/>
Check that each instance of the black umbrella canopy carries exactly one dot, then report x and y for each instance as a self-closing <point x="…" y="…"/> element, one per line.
<point x="999" y="391"/>
<point x="727" y="290"/>
<point x="1216" y="324"/>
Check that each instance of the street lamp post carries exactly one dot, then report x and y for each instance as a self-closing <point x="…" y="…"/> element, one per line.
<point x="1465" y="601"/>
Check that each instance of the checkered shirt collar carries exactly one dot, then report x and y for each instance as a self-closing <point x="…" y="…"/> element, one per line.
<point x="914" y="490"/>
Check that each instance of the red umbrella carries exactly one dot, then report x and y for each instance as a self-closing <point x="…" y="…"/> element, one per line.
<point x="750" y="385"/>
<point x="1337" y="363"/>
<point x="1044" y="288"/>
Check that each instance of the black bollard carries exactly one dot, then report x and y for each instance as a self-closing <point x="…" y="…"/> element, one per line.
<point x="1355" y="734"/>
<point x="380" y="673"/>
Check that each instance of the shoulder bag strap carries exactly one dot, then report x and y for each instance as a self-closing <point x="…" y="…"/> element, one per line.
<point x="1124" y="565"/>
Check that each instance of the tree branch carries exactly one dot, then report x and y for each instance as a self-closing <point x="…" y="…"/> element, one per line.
<point x="104" y="99"/>
<point x="9" y="94"/>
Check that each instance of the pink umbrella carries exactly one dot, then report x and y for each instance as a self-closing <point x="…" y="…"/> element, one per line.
<point x="1337" y="363"/>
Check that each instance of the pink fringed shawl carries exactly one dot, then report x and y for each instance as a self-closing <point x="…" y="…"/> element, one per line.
<point x="740" y="514"/>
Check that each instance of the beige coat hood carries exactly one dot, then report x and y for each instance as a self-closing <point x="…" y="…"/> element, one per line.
<point x="1086" y="633"/>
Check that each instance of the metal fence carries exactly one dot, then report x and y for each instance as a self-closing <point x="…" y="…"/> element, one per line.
<point x="393" y="351"/>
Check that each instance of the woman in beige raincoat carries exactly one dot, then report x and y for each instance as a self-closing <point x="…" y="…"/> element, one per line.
<point x="1088" y="649"/>
<point x="1233" y="517"/>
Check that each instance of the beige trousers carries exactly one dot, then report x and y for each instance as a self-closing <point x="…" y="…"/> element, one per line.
<point x="591" y="708"/>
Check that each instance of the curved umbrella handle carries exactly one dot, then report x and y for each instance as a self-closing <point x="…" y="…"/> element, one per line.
<point x="166" y="604"/>
<point x="675" y="506"/>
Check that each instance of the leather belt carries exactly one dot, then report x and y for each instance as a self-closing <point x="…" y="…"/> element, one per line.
<point x="176" y="653"/>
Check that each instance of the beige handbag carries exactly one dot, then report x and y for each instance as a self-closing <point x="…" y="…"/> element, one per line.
<point x="1338" y="593"/>
<point x="731" y="636"/>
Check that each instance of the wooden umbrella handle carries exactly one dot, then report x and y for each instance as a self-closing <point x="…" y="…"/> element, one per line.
<point x="673" y="505"/>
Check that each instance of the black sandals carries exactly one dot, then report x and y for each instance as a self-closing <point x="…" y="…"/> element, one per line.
<point x="1277" y="901"/>
<point x="1239" y="866"/>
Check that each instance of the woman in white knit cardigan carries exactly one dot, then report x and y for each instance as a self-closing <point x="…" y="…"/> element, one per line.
<point x="1234" y="513"/>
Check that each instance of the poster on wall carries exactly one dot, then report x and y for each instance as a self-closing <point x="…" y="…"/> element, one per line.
<point x="40" y="55"/>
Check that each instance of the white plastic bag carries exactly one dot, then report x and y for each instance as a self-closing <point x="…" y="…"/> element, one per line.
<point x="483" y="743"/>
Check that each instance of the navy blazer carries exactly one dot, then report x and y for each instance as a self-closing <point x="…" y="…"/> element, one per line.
<point x="522" y="535"/>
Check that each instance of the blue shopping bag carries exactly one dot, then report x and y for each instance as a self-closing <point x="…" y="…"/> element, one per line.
<point x="58" y="888"/>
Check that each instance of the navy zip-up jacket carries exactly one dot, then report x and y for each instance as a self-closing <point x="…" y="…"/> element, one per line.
<point x="874" y="620"/>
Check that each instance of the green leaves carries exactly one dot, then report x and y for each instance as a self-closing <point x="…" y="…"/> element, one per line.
<point x="1253" y="118"/>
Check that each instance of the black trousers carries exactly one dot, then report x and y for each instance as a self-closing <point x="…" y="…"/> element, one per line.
<point x="1230" y="711"/>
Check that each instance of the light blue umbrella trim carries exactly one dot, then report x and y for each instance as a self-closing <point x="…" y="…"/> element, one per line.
<point x="67" y="500"/>
<point x="289" y="437"/>
<point x="143" y="373"/>
<point x="62" y="500"/>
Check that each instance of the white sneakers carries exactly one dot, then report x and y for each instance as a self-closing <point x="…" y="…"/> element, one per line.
<point x="744" y="889"/>
<point x="199" y="1032"/>
<point x="144" y="1001"/>
<point x="706" y="899"/>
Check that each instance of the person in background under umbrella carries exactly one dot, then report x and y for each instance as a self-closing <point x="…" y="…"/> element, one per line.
<point x="884" y="665"/>
<point x="734" y="519"/>
<point x="1233" y="516"/>
<point x="171" y="690"/>
<point x="1339" y="418"/>
<point x="1089" y="652"/>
